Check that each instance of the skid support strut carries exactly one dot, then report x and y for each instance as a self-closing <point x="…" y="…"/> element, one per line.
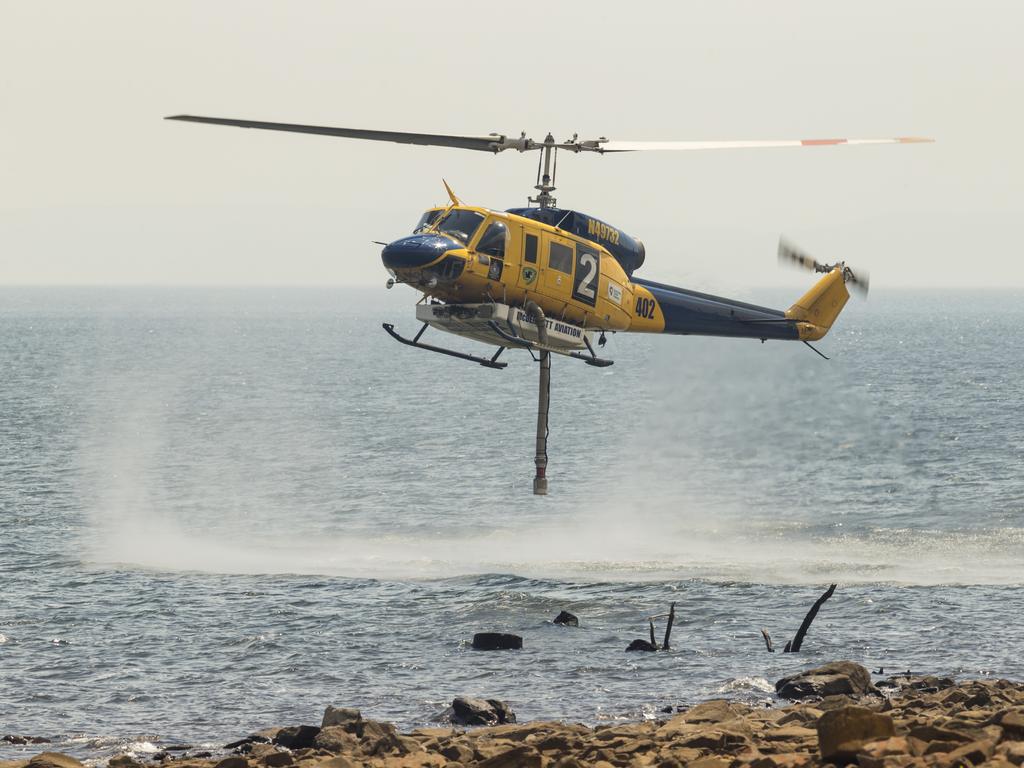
<point x="540" y="480"/>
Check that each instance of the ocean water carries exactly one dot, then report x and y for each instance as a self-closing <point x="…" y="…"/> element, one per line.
<point x="224" y="509"/>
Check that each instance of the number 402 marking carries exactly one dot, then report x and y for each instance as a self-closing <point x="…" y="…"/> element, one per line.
<point x="645" y="307"/>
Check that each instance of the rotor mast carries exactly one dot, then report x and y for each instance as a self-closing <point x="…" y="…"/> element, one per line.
<point x="546" y="182"/>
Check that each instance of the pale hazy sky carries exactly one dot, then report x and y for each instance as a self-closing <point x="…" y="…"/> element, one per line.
<point x="97" y="188"/>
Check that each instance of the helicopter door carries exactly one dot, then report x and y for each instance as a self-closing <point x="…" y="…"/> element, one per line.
<point x="529" y="268"/>
<point x="556" y="274"/>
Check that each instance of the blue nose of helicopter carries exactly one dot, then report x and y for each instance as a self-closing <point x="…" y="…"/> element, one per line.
<point x="416" y="251"/>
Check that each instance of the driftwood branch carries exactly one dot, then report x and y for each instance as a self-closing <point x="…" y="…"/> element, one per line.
<point x="767" y="640"/>
<point x="652" y="645"/>
<point x="668" y="627"/>
<point x="798" y="639"/>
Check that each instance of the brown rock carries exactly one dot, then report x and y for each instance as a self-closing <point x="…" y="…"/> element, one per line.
<point x="874" y="753"/>
<point x="975" y="753"/>
<point x="790" y="733"/>
<point x="711" y="761"/>
<point x="336" y="739"/>
<point x="1012" y="723"/>
<point x="54" y="760"/>
<point x="340" y="716"/>
<point x="382" y="738"/>
<point x="458" y="753"/>
<point x="435" y="733"/>
<point x="517" y="757"/>
<point x="256" y="751"/>
<point x="1012" y="751"/>
<point x="235" y="761"/>
<point x="680" y="727"/>
<point x="941" y="747"/>
<point x="842" y="732"/>
<point x="783" y="760"/>
<point x="276" y="759"/>
<point x="558" y="742"/>
<point x="800" y="715"/>
<point x="715" y="739"/>
<point x="714" y="711"/>
<point x="932" y="733"/>
<point x="123" y="761"/>
<point x="568" y="762"/>
<point x="996" y="762"/>
<point x="337" y="762"/>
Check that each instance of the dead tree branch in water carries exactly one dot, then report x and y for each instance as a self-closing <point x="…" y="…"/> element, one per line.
<point x="668" y="627"/>
<point x="794" y="645"/>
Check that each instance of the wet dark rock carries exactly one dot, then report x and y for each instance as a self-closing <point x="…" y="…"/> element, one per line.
<point x="241" y="744"/>
<point x="496" y="641"/>
<point x="468" y="711"/>
<point x="503" y="710"/>
<point x="641" y="645"/>
<point x="837" y="677"/>
<point x="12" y="739"/>
<point x="567" y="619"/>
<point x="297" y="737"/>
<point x="921" y="683"/>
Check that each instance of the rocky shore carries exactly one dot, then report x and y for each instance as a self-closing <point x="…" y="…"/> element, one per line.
<point x="839" y="717"/>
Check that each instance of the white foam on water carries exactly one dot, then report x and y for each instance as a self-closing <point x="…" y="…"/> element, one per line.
<point x="594" y="551"/>
<point x="643" y="533"/>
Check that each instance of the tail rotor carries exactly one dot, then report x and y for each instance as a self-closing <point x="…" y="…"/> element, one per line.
<point x="790" y="255"/>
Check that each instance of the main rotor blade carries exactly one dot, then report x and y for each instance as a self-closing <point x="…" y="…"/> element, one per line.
<point x="481" y="143"/>
<point x="659" y="146"/>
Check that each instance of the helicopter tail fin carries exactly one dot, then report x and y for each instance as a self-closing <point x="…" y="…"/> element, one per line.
<point x="817" y="309"/>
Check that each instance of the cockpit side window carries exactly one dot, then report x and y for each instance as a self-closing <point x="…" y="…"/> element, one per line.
<point x="493" y="241"/>
<point x="461" y="225"/>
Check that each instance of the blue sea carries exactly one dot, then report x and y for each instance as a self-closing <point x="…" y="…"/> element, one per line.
<point x="225" y="509"/>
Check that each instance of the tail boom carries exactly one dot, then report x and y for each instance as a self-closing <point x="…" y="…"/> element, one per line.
<point x="661" y="308"/>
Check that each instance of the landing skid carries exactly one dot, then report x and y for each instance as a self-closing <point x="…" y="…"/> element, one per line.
<point x="518" y="341"/>
<point x="491" y="362"/>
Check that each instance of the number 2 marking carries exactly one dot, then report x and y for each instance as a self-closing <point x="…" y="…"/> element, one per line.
<point x="586" y="287"/>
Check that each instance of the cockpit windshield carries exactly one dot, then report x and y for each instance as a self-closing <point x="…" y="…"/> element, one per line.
<point x="460" y="224"/>
<point x="427" y="219"/>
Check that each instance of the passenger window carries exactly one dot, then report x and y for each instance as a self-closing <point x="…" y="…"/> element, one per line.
<point x="493" y="241"/>
<point x="560" y="258"/>
<point x="530" y="252"/>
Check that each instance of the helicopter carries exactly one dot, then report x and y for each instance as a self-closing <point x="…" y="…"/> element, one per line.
<point x="548" y="280"/>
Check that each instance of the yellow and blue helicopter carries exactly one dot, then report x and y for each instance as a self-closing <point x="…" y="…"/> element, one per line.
<point x="548" y="279"/>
